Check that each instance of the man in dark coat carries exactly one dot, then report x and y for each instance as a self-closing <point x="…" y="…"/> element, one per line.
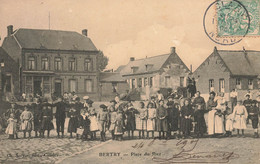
<point x="199" y="110"/>
<point x="248" y="103"/>
<point x="161" y="122"/>
<point x="60" y="116"/>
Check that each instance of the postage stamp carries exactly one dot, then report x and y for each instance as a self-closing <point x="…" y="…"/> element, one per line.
<point x="238" y="18"/>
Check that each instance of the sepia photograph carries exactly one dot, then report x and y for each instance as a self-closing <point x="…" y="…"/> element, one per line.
<point x="129" y="81"/>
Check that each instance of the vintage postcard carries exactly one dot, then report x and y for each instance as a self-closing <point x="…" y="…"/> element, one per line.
<point x="129" y="81"/>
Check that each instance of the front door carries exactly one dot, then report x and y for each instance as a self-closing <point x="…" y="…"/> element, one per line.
<point x="58" y="89"/>
<point x="37" y="87"/>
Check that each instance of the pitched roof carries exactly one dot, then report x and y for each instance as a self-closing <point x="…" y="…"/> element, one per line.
<point x="246" y="63"/>
<point x="120" y="68"/>
<point x="155" y="62"/>
<point x="111" y="77"/>
<point x="53" y="39"/>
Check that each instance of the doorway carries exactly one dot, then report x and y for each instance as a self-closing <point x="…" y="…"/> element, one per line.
<point x="37" y="87"/>
<point x="58" y="89"/>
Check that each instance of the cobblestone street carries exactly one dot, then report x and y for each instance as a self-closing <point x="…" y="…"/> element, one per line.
<point x="41" y="150"/>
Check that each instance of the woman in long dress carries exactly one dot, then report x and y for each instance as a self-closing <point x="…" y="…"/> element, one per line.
<point x="240" y="116"/>
<point x="151" y="116"/>
<point x="216" y="118"/>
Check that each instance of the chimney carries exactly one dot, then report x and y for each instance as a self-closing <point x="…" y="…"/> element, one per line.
<point x="191" y="68"/>
<point x="215" y="49"/>
<point x="173" y="49"/>
<point x="10" y="30"/>
<point x="85" y="32"/>
<point x="132" y="59"/>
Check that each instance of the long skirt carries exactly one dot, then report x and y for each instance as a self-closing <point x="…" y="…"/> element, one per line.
<point x="186" y="126"/>
<point x="73" y="125"/>
<point x="140" y="124"/>
<point x="130" y="124"/>
<point x="161" y="125"/>
<point x="240" y="122"/>
<point x="229" y="123"/>
<point x="119" y="128"/>
<point x="26" y="125"/>
<point x="150" y="124"/>
<point x="174" y="124"/>
<point x="112" y="127"/>
<point x="215" y="123"/>
<point x="93" y="123"/>
<point x="47" y="124"/>
<point x="36" y="125"/>
<point x="200" y="126"/>
<point x="11" y="128"/>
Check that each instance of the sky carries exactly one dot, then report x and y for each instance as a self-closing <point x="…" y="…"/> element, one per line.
<point x="125" y="28"/>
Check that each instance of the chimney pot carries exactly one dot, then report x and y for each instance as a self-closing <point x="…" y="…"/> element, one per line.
<point x="132" y="59"/>
<point x="10" y="30"/>
<point x="85" y="32"/>
<point x="173" y="49"/>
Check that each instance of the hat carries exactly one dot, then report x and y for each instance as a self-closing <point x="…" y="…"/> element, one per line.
<point x="103" y="106"/>
<point x="85" y="97"/>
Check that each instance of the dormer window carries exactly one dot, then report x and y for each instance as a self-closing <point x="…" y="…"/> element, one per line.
<point x="134" y="69"/>
<point x="148" y="67"/>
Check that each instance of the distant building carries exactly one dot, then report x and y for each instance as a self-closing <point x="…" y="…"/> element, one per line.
<point x="9" y="76"/>
<point x="151" y="74"/>
<point x="112" y="84"/>
<point x="52" y="62"/>
<point x="225" y="70"/>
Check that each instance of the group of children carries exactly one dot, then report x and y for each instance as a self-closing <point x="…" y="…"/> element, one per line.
<point x="171" y="118"/>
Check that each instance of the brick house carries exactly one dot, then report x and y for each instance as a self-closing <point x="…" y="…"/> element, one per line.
<point x="225" y="70"/>
<point x="151" y="74"/>
<point x="52" y="61"/>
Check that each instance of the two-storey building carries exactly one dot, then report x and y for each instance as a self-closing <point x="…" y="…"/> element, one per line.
<point x="53" y="61"/>
<point x="155" y="73"/>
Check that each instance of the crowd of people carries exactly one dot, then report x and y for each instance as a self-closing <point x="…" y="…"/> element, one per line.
<point x="171" y="117"/>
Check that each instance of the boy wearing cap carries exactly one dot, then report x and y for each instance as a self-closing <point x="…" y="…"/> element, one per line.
<point x="103" y="121"/>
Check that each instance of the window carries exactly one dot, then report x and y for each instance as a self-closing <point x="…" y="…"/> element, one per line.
<point x="57" y="64"/>
<point x="72" y="64"/>
<point x="72" y="85"/>
<point x="140" y="83"/>
<point x="88" y="85"/>
<point x="114" y="87"/>
<point x="211" y="85"/>
<point x="133" y="83"/>
<point x="45" y="63"/>
<point x="151" y="81"/>
<point x="238" y="83"/>
<point x="145" y="81"/>
<point x="28" y="80"/>
<point x="250" y="83"/>
<point x="88" y="65"/>
<point x="31" y="63"/>
<point x="221" y="85"/>
<point x="167" y="80"/>
<point x="181" y="81"/>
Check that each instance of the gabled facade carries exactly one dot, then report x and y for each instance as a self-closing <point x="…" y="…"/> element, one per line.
<point x="53" y="62"/>
<point x="225" y="70"/>
<point x="151" y="74"/>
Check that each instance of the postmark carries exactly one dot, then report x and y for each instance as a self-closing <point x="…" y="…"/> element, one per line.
<point x="229" y="25"/>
